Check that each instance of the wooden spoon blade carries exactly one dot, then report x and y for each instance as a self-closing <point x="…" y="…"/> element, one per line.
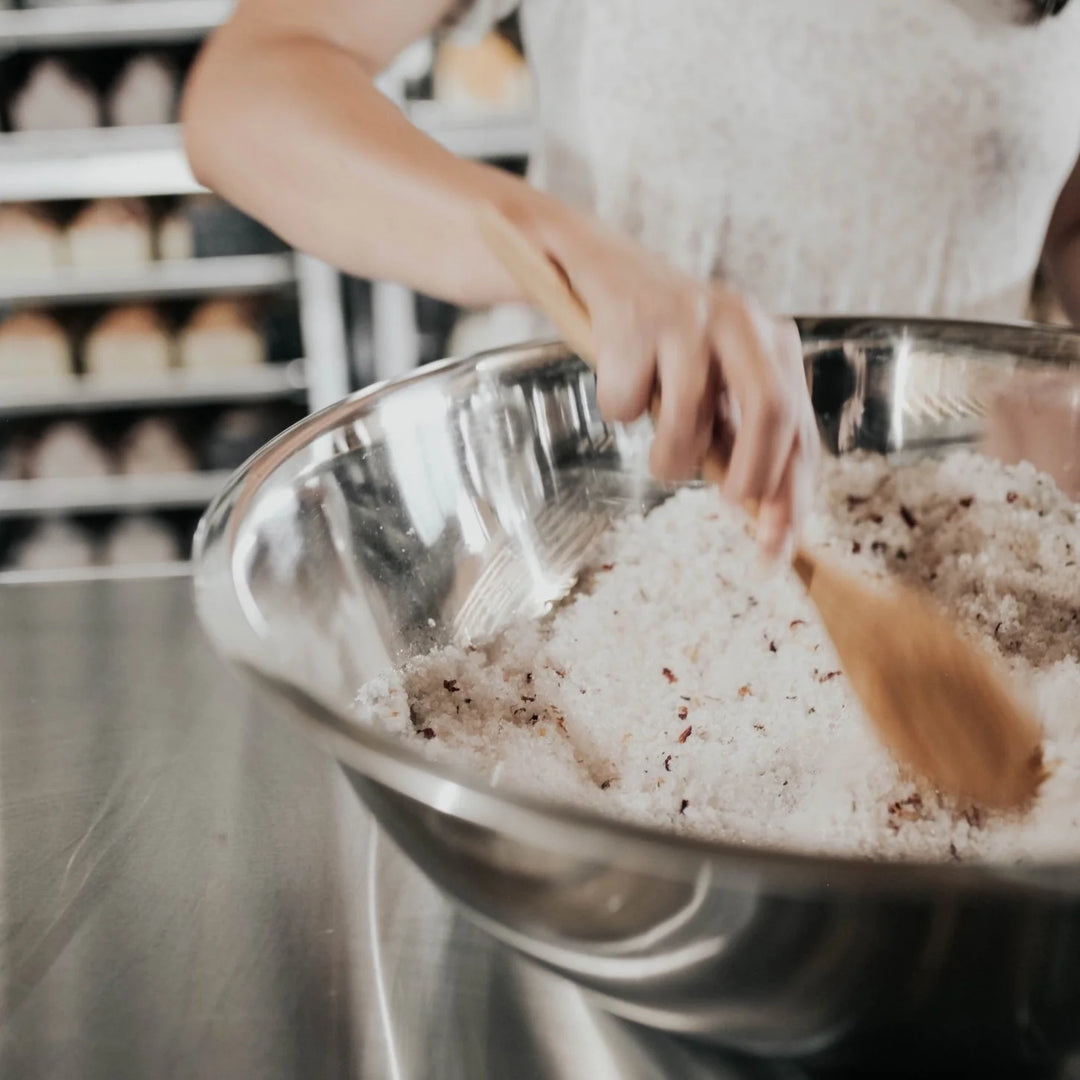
<point x="938" y="703"/>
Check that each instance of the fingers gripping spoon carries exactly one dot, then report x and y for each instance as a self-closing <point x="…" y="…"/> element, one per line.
<point x="937" y="703"/>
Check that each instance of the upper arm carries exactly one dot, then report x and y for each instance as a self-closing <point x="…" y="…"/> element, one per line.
<point x="1065" y="222"/>
<point x="374" y="31"/>
<point x="261" y="39"/>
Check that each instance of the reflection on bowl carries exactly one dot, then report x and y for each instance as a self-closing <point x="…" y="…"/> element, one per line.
<point x="1035" y="416"/>
<point x="452" y="501"/>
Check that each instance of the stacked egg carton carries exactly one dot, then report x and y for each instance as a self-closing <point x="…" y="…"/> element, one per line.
<point x="101" y="307"/>
<point x="124" y="340"/>
<point x="128" y="387"/>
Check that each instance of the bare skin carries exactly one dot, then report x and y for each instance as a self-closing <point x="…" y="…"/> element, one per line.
<point x="282" y="117"/>
<point x="1063" y="248"/>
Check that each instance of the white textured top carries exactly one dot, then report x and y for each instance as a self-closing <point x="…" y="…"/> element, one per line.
<point x="834" y="156"/>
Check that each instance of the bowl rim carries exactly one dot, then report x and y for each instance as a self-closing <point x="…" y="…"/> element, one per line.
<point x="446" y="788"/>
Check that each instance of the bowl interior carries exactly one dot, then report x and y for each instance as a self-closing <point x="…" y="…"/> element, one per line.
<point x="442" y="506"/>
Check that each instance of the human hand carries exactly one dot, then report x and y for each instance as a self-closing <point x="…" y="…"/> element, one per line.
<point x="1035" y="417"/>
<point x="722" y="368"/>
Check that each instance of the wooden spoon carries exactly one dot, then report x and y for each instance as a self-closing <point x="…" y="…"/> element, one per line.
<point x="938" y="704"/>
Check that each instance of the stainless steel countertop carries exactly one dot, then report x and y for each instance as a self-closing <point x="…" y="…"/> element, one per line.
<point x="171" y="901"/>
<point x="189" y="889"/>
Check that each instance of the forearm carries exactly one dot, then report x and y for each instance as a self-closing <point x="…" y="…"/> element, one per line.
<point x="1063" y="266"/>
<point x="1062" y="252"/>
<point x="292" y="130"/>
<point x="282" y="117"/>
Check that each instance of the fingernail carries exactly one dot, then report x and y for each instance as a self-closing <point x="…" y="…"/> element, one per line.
<point x="787" y="550"/>
<point x="768" y="553"/>
<point x="775" y="553"/>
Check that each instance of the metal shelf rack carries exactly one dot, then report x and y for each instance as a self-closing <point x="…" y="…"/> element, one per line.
<point x="102" y="494"/>
<point x="137" y="22"/>
<point x="179" y="279"/>
<point x="147" y="162"/>
<point x="121" y="162"/>
<point x="86" y="393"/>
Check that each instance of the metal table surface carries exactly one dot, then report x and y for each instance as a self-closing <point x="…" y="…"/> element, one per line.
<point x="170" y="895"/>
<point x="189" y="889"/>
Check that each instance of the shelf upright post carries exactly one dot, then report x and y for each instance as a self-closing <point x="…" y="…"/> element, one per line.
<point x="395" y="335"/>
<point x="322" y="328"/>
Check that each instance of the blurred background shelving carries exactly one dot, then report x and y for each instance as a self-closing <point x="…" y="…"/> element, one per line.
<point x="178" y="388"/>
<point x="222" y="276"/>
<point x="20" y="498"/>
<point x="136" y="22"/>
<point x="151" y="337"/>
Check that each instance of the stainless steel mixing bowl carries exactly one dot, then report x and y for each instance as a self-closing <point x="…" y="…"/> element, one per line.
<point x="440" y="506"/>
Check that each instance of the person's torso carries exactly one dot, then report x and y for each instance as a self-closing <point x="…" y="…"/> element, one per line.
<point x="872" y="156"/>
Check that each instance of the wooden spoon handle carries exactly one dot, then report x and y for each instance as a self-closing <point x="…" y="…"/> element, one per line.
<point x="540" y="279"/>
<point x="935" y="703"/>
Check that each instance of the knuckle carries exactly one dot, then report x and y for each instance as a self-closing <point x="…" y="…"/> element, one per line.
<point x="609" y="400"/>
<point x="680" y="315"/>
<point x="682" y="341"/>
<point x="773" y="407"/>
<point x="617" y="320"/>
<point x="741" y="326"/>
<point x="686" y="371"/>
<point x="692" y="308"/>
<point x="739" y="489"/>
<point x="615" y="396"/>
<point x="747" y="313"/>
<point x="637" y="320"/>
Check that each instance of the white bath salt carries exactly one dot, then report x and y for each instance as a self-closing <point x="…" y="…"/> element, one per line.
<point x="680" y="689"/>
